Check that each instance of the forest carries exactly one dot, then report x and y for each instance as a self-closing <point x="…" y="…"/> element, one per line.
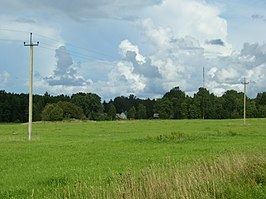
<point x="175" y="104"/>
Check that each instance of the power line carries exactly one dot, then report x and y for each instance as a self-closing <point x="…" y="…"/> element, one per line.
<point x="12" y="30"/>
<point x="75" y="46"/>
<point x="77" y="54"/>
<point x="11" y="40"/>
<point x="72" y="53"/>
<point x="49" y="47"/>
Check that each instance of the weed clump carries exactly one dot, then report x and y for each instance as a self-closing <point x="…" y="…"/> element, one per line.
<point x="173" y="136"/>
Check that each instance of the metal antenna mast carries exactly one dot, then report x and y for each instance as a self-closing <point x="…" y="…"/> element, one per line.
<point x="245" y="90"/>
<point x="31" y="80"/>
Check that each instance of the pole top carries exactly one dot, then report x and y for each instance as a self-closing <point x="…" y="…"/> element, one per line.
<point x="31" y="43"/>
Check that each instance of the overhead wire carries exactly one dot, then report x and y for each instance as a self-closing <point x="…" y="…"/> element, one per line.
<point x="75" y="47"/>
<point x="84" y="56"/>
<point x="72" y="53"/>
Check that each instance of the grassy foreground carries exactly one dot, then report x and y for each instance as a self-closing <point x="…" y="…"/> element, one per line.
<point x="134" y="159"/>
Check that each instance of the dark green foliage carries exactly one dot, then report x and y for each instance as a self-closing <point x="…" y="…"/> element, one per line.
<point x="71" y="110"/>
<point x="261" y="99"/>
<point x="13" y="107"/>
<point x="252" y="111"/>
<point x="261" y="111"/>
<point x="178" y="99"/>
<point x="175" y="104"/>
<point x="122" y="104"/>
<point x="52" y="112"/>
<point x="111" y="112"/>
<point x="142" y="112"/>
<point x="165" y="108"/>
<point x="132" y="113"/>
<point x="90" y="103"/>
<point x="233" y="104"/>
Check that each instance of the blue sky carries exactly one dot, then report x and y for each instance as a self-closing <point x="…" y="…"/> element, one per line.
<point x="145" y="48"/>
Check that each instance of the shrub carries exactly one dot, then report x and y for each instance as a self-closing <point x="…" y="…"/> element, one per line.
<point x="71" y="110"/>
<point x="52" y="112"/>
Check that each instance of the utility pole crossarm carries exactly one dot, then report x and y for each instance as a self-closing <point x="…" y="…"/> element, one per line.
<point x="31" y="45"/>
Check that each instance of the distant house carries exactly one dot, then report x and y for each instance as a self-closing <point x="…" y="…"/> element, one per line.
<point x="156" y="116"/>
<point x="121" y="116"/>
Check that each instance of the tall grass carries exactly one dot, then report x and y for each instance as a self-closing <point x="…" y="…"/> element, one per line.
<point x="235" y="176"/>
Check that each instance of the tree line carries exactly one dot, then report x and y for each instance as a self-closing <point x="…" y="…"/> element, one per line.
<point x="174" y="104"/>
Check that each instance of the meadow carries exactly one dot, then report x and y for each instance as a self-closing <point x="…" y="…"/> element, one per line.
<point x="134" y="159"/>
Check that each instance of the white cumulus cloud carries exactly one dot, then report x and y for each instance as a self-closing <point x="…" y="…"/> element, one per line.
<point x="66" y="72"/>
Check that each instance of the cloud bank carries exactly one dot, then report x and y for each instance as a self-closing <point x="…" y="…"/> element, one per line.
<point x="158" y="44"/>
<point x="176" y="57"/>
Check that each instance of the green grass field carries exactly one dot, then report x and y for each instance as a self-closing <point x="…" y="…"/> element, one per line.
<point x="117" y="159"/>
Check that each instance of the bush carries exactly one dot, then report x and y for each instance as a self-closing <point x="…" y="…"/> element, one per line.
<point x="52" y="112"/>
<point x="71" y="110"/>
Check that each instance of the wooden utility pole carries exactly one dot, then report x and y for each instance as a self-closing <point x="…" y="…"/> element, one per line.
<point x="203" y="85"/>
<point x="31" y="83"/>
<point x="245" y="90"/>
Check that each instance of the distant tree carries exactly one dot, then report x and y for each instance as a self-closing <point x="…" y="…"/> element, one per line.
<point x="142" y="112"/>
<point x="52" y="112"/>
<point x="38" y="106"/>
<point x="178" y="99"/>
<point x="90" y="103"/>
<point x="216" y="110"/>
<point x="133" y="101"/>
<point x="233" y="104"/>
<point x="149" y="104"/>
<point x="202" y="99"/>
<point x="261" y="99"/>
<point x="164" y="107"/>
<point x="5" y="107"/>
<point x="175" y="104"/>
<point x="121" y="104"/>
<point x="261" y="104"/>
<point x="49" y="99"/>
<point x="175" y="93"/>
<point x="131" y="113"/>
<point x="105" y="105"/>
<point x="194" y="110"/>
<point x="71" y="110"/>
<point x="111" y="111"/>
<point x="184" y="110"/>
<point x="261" y="111"/>
<point x="251" y="109"/>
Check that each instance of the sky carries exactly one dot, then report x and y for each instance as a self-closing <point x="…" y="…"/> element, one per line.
<point x="122" y="47"/>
